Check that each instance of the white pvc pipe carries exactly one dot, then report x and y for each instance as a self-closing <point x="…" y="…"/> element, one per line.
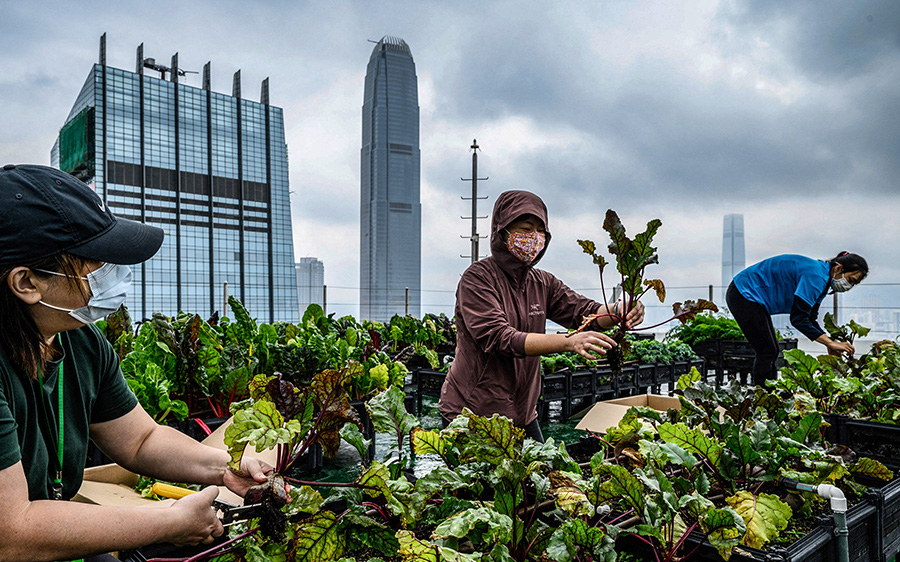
<point x="835" y="495"/>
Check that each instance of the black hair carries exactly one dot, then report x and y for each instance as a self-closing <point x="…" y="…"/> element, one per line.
<point x="19" y="335"/>
<point x="851" y="263"/>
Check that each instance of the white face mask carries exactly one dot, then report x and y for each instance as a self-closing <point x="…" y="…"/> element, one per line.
<point x="109" y="286"/>
<point x="841" y="285"/>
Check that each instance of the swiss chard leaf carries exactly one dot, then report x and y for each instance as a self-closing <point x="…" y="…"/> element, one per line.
<point x="764" y="515"/>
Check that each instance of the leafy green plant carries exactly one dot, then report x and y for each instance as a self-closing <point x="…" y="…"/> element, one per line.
<point x="729" y="445"/>
<point x="867" y="388"/>
<point x="632" y="258"/>
<point x="654" y="351"/>
<point x="149" y="370"/>
<point x="556" y="362"/>
<point x="706" y="327"/>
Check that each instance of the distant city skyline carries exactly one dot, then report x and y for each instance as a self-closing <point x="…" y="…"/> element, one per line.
<point x="683" y="111"/>
<point x="390" y="255"/>
<point x="208" y="168"/>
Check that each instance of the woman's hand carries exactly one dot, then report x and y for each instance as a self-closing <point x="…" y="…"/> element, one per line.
<point x="197" y="519"/>
<point x="253" y="472"/>
<point x="839" y="348"/>
<point x="588" y="344"/>
<point x="635" y="316"/>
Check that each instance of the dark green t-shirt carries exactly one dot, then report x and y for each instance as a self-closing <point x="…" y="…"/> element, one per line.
<point x="94" y="391"/>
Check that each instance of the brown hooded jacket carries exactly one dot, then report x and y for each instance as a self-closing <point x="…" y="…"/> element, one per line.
<point x="499" y="300"/>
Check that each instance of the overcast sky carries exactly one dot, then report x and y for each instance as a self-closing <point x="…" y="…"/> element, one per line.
<point x="787" y="112"/>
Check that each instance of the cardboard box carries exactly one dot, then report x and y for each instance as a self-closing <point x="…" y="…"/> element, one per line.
<point x="113" y="485"/>
<point x="609" y="413"/>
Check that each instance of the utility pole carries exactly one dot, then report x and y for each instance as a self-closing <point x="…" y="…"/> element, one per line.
<point x="474" y="237"/>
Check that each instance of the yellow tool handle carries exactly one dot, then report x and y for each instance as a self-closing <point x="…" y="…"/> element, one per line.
<point x="169" y="491"/>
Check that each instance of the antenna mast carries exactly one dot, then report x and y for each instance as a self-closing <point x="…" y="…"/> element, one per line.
<point x="474" y="237"/>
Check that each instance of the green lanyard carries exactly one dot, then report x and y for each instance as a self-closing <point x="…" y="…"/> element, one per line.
<point x="57" y="481"/>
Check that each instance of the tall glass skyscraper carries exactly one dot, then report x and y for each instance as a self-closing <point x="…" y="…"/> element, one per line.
<point x="209" y="168"/>
<point x="390" y="213"/>
<point x="310" y="282"/>
<point x="733" y="260"/>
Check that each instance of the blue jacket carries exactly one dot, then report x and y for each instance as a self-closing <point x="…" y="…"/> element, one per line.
<point x="788" y="284"/>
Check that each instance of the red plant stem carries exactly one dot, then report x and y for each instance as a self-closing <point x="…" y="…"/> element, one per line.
<point x="206" y="553"/>
<point x="335" y="484"/>
<point x="683" y="538"/>
<point x="676" y="317"/>
<point x="613" y="522"/>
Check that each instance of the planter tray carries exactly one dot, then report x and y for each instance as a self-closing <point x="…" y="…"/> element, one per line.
<point x="819" y="545"/>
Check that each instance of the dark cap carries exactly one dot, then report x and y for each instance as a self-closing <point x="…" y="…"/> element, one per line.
<point x="45" y="211"/>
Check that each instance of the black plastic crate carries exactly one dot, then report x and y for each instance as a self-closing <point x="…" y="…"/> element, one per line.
<point x="815" y="546"/>
<point x="625" y="383"/>
<point x="879" y="441"/>
<point x="581" y="383"/>
<point x="603" y="381"/>
<point x="819" y="545"/>
<point x="429" y="382"/>
<point x="888" y="503"/>
<point x="646" y="376"/>
<point x="555" y="386"/>
<point x="699" y="364"/>
<point x="680" y="368"/>
<point x="197" y="428"/>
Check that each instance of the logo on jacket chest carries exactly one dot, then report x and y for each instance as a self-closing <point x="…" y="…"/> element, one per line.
<point x="535" y="310"/>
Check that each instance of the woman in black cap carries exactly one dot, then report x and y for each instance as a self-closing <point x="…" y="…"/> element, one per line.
<point x="63" y="265"/>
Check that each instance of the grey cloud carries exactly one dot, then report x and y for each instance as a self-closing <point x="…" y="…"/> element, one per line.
<point x="829" y="40"/>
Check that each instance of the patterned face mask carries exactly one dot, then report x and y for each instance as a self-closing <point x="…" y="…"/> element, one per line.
<point x="525" y="245"/>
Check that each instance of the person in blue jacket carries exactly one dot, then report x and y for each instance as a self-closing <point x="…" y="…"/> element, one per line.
<point x="789" y="284"/>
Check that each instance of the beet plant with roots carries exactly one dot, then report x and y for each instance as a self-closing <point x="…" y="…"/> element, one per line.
<point x="632" y="258"/>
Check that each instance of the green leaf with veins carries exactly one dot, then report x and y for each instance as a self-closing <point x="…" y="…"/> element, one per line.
<point x="261" y="426"/>
<point x="574" y="540"/>
<point x="764" y="515"/>
<point x="691" y="440"/>
<point x="490" y="526"/>
<point x="619" y="484"/>
<point x="492" y="440"/>
<point x="364" y="531"/>
<point x="415" y="550"/>
<point x="724" y="529"/>
<point x="569" y="496"/>
<point x="388" y="413"/>
<point x="871" y="468"/>
<point x="352" y="435"/>
<point x="319" y="538"/>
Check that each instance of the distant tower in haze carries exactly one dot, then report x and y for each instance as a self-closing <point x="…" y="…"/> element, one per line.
<point x="310" y="283"/>
<point x="733" y="259"/>
<point x="390" y="211"/>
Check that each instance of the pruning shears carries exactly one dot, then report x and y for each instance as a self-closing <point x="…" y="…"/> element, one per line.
<point x="227" y="512"/>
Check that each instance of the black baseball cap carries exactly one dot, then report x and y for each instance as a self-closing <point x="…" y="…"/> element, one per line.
<point x="45" y="211"/>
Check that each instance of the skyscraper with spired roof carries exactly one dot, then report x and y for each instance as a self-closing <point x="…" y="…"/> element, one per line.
<point x="209" y="168"/>
<point x="390" y="211"/>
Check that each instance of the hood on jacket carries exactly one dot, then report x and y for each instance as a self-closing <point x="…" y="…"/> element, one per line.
<point x="509" y="206"/>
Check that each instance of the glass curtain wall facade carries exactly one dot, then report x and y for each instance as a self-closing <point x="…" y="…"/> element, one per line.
<point x="733" y="260"/>
<point x="210" y="169"/>
<point x="390" y="211"/>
